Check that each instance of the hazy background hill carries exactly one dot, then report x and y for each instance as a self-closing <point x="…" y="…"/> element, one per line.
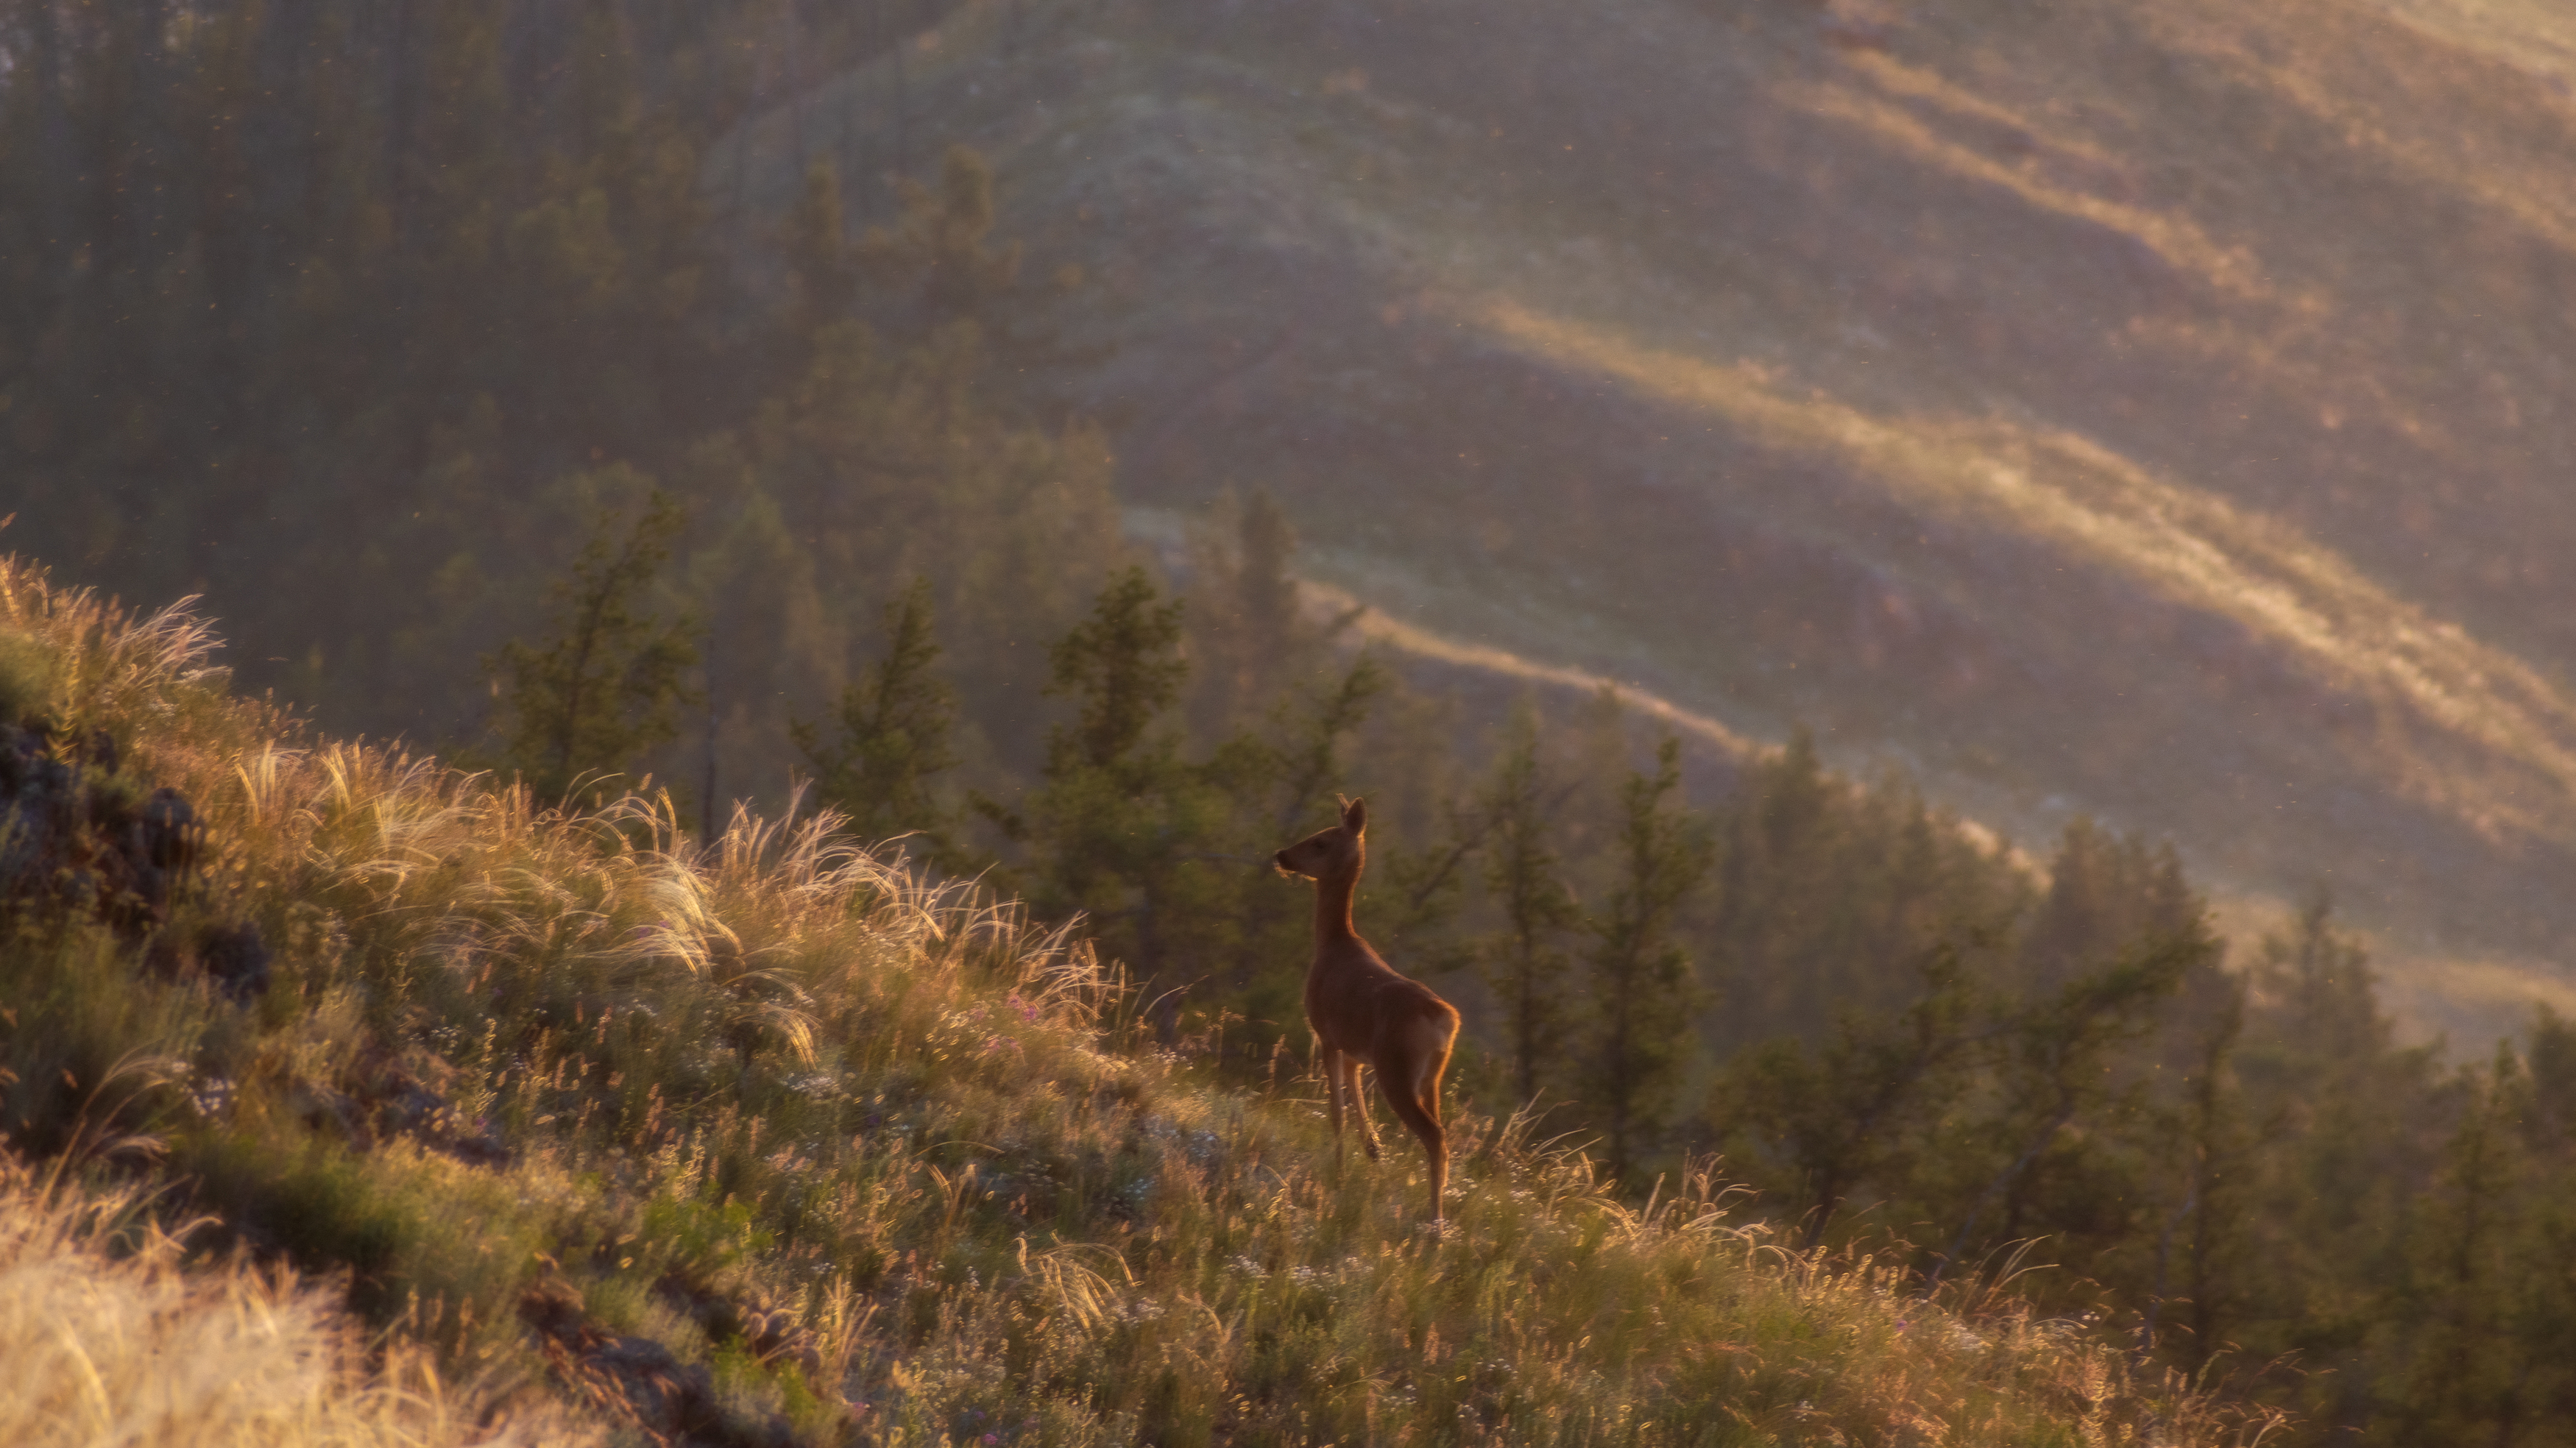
<point x="2150" y="409"/>
<point x="2137" y="416"/>
<point x="2143" y="409"/>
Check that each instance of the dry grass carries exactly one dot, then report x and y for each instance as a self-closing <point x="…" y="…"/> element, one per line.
<point x="2262" y="292"/>
<point x="109" y="1340"/>
<point x="2184" y="543"/>
<point x="879" y="1156"/>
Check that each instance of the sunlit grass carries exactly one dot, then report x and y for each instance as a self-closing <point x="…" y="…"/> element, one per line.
<point x="108" y="1340"/>
<point x="2506" y="166"/>
<point x="2186" y="543"/>
<point x="2536" y="33"/>
<point x="2175" y="239"/>
<point x="876" y="1154"/>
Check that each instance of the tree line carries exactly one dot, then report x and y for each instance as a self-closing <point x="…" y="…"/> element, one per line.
<point x="467" y="360"/>
<point x="1909" y="1040"/>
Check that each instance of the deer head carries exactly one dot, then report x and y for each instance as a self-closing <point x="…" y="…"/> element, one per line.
<point x="1328" y="853"/>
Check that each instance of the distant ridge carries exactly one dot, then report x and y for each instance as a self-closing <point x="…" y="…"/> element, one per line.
<point x="2151" y="411"/>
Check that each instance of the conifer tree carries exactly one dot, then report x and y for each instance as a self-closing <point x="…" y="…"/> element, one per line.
<point x="1524" y="962"/>
<point x="1643" y="996"/>
<point x="819" y="264"/>
<point x="893" y="737"/>
<point x="611" y="681"/>
<point x="2052" y="1071"/>
<point x="936" y="259"/>
<point x="1310" y="764"/>
<point x="2353" y="1127"/>
<point x="1864" y="1107"/>
<point x="1120" y="825"/>
<point x="2468" y="1291"/>
<point x="1248" y="638"/>
<point x="1123" y="668"/>
<point x="2212" y="1162"/>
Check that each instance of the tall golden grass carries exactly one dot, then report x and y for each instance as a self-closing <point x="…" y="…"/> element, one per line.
<point x="109" y="1339"/>
<point x="881" y="1156"/>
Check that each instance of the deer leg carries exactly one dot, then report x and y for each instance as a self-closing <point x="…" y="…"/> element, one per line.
<point x="1359" y="1103"/>
<point x="1435" y="1138"/>
<point x="1413" y="1092"/>
<point x="1331" y="1060"/>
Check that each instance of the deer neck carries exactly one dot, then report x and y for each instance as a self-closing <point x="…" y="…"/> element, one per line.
<point x="1333" y="896"/>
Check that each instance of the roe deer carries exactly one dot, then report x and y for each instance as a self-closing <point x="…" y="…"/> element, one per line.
<point x="1361" y="1011"/>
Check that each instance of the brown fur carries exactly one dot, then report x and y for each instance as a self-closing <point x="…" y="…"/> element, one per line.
<point x="1362" y="1012"/>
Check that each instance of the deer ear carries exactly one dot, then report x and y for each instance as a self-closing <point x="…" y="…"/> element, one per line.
<point x="1355" y="816"/>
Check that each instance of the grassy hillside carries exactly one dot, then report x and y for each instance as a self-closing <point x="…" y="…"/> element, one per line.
<point x="759" y="1139"/>
<point x="2145" y="408"/>
<point x="112" y="1338"/>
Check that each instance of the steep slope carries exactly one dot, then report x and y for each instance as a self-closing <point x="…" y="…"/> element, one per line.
<point x="2148" y="408"/>
<point x="762" y="1140"/>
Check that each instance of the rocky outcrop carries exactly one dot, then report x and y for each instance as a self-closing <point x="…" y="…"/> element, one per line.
<point x="635" y="1381"/>
<point x="80" y="835"/>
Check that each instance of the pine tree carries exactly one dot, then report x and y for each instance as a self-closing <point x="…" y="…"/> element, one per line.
<point x="2213" y="1156"/>
<point x="1308" y="767"/>
<point x="893" y="738"/>
<point x="1863" y="1108"/>
<point x="2470" y="1270"/>
<point x="936" y="259"/>
<point x="2054" y="1088"/>
<point x="1524" y="963"/>
<point x="609" y="685"/>
<point x="1120" y="829"/>
<point x="2352" y="1130"/>
<point x="1123" y="667"/>
<point x="1643" y="997"/>
<point x="1249" y="638"/>
<point x="819" y="264"/>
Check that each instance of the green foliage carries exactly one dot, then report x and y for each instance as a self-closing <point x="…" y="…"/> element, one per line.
<point x="2053" y="1068"/>
<point x="1307" y="766"/>
<point x="971" y="1204"/>
<point x="1638" y="1036"/>
<point x="1122" y="667"/>
<point x="88" y="1043"/>
<point x="1524" y="963"/>
<point x="1119" y="826"/>
<point x="1250" y="640"/>
<point x="937" y="250"/>
<point x="893" y="736"/>
<point x="478" y="259"/>
<point x="610" y="683"/>
<point x="1866" y="1106"/>
<point x="2485" y="1320"/>
<point x="26" y="679"/>
<point x="1830" y="893"/>
<point x="886" y="462"/>
<point x="819" y="263"/>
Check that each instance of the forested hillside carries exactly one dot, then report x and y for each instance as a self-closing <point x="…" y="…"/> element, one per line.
<point x="2138" y="411"/>
<point x="2144" y="409"/>
<point x="601" y="1131"/>
<point x="984" y="439"/>
<point x="759" y="1138"/>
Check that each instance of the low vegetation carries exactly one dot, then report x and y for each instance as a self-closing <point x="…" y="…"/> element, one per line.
<point x="111" y="1338"/>
<point x="766" y="1138"/>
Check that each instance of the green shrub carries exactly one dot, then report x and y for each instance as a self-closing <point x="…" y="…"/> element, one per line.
<point x="26" y="678"/>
